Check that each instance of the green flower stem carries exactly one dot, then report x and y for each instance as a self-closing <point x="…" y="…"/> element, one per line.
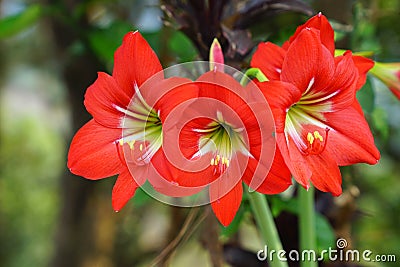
<point x="251" y="74"/>
<point x="266" y="225"/>
<point x="307" y="223"/>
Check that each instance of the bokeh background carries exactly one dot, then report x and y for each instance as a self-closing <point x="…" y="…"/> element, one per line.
<point x="50" y="52"/>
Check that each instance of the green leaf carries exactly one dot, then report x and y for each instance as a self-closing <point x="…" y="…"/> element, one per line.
<point x="233" y="227"/>
<point x="366" y="97"/>
<point x="182" y="47"/>
<point x="14" y="24"/>
<point x="140" y="198"/>
<point x="104" y="42"/>
<point x="278" y="205"/>
<point x="154" y="40"/>
<point x="380" y="122"/>
<point x="325" y="234"/>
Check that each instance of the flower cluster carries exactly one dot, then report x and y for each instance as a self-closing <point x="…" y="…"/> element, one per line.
<point x="319" y="122"/>
<point x="213" y="132"/>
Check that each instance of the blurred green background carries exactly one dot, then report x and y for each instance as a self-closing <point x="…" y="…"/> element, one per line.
<point x="50" y="52"/>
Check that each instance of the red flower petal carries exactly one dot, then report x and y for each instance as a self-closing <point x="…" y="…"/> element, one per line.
<point x="325" y="173"/>
<point x="180" y="175"/>
<point x="277" y="180"/>
<point x="226" y="206"/>
<point x="222" y="87"/>
<point x="123" y="190"/>
<point x="134" y="62"/>
<point x="321" y="23"/>
<point x="294" y="159"/>
<point x="363" y="65"/>
<point x="102" y="97"/>
<point x="350" y="141"/>
<point x="343" y="85"/>
<point x="269" y="59"/>
<point x="280" y="96"/>
<point x="171" y="93"/>
<point x="93" y="153"/>
<point x="307" y="62"/>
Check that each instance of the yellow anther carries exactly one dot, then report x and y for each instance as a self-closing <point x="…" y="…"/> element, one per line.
<point x="227" y="162"/>
<point x="131" y="143"/>
<point x="141" y="147"/>
<point x="212" y="162"/>
<point x="217" y="158"/>
<point x="318" y="136"/>
<point x="121" y="142"/>
<point x="310" y="138"/>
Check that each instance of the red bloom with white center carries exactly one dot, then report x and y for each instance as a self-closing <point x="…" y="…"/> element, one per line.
<point x="229" y="128"/>
<point x="319" y="122"/>
<point x="125" y="129"/>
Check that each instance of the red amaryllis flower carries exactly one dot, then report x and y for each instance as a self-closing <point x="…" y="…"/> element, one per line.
<point x="389" y="74"/>
<point x="269" y="57"/>
<point x="319" y="123"/>
<point x="228" y="128"/>
<point x="125" y="129"/>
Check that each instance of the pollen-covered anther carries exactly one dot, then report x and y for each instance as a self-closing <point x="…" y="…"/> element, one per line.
<point x="316" y="143"/>
<point x="220" y="161"/>
<point x="131" y="144"/>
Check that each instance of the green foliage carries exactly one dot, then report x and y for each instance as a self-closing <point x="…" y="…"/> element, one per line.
<point x="380" y="122"/>
<point x="31" y="157"/>
<point x="14" y="24"/>
<point x="366" y="97"/>
<point x="182" y="47"/>
<point x="104" y="42"/>
<point x="325" y="234"/>
<point x="140" y="198"/>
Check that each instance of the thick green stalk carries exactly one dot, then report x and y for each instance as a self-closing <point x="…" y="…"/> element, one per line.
<point x="266" y="225"/>
<point x="308" y="237"/>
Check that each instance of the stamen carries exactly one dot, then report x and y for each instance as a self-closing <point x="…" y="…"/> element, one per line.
<point x="318" y="136"/>
<point x="131" y="144"/>
<point x="310" y="138"/>
<point x="120" y="153"/>
<point x="222" y="140"/>
<point x="326" y="138"/>
<point x="223" y="162"/>
<point x="142" y="131"/>
<point x="316" y="144"/>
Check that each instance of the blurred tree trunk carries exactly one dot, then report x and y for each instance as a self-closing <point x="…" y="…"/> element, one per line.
<point x="75" y="236"/>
